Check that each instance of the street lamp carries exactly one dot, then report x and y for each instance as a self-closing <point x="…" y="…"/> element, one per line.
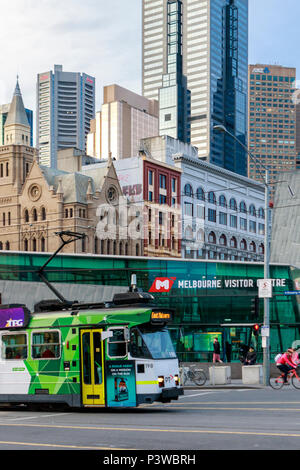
<point x="266" y="353"/>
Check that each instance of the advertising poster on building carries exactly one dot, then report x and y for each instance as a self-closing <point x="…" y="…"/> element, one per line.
<point x="120" y="383"/>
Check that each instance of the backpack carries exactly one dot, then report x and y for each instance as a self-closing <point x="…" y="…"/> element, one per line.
<point x="277" y="357"/>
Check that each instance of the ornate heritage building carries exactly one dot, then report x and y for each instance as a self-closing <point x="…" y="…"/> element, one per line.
<point x="37" y="201"/>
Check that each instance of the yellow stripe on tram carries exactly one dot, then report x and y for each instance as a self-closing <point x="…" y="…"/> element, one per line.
<point x="147" y="382"/>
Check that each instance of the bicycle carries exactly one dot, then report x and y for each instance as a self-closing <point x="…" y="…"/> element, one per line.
<point x="277" y="382"/>
<point x="192" y="373"/>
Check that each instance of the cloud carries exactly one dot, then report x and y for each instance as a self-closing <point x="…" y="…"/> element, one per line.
<point x="88" y="36"/>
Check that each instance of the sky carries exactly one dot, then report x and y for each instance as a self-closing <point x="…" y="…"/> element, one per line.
<point x="103" y="38"/>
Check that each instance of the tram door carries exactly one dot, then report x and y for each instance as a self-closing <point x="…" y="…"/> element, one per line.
<point x="92" y="368"/>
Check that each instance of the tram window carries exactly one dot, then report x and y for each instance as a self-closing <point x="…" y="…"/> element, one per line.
<point x="117" y="345"/>
<point x="45" y="345"/>
<point x="14" y="346"/>
<point x="138" y="347"/>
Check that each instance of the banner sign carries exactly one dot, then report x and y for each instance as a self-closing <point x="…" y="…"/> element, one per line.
<point x="13" y="316"/>
<point x="165" y="284"/>
<point x="120" y="384"/>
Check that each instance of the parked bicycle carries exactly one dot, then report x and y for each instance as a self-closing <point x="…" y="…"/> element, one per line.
<point x="193" y="374"/>
<point x="292" y="377"/>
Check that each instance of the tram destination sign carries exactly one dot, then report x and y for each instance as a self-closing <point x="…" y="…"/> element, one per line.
<point x="165" y="284"/>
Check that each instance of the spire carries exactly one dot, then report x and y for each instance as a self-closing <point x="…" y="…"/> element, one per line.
<point x="17" y="89"/>
<point x="17" y="113"/>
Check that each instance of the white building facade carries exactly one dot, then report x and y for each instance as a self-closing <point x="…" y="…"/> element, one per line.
<point x="222" y="212"/>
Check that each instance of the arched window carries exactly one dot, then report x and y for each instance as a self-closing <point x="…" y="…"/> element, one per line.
<point x="261" y="213"/>
<point x="212" y="197"/>
<point x="126" y="249"/>
<point x="261" y="249"/>
<point x="121" y="249"/>
<point x="200" y="194"/>
<point x="43" y="213"/>
<point x="34" y="244"/>
<point x="252" y="210"/>
<point x="7" y="246"/>
<point x="137" y="249"/>
<point x="1" y="246"/>
<point x="43" y="244"/>
<point x="233" y="204"/>
<point x="115" y="248"/>
<point x="200" y="235"/>
<point x="233" y="242"/>
<point x="34" y="215"/>
<point x="212" y="238"/>
<point x="96" y="243"/>
<point x="26" y="215"/>
<point x="67" y="213"/>
<point x="243" y="207"/>
<point x="222" y="201"/>
<point x="252" y="247"/>
<point x="188" y="233"/>
<point x="188" y="190"/>
<point x="223" y="240"/>
<point x="25" y="244"/>
<point x="243" y="244"/>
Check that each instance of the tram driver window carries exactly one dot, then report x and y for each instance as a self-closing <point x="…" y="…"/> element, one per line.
<point x="46" y="345"/>
<point x="14" y="346"/>
<point x="117" y="344"/>
<point x="138" y="347"/>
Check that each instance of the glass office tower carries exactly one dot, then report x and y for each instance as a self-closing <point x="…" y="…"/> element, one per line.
<point x="174" y="98"/>
<point x="215" y="63"/>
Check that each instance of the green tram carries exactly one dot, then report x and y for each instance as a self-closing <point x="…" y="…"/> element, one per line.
<point x="117" y="354"/>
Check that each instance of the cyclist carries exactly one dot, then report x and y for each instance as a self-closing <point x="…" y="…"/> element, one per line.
<point x="285" y="363"/>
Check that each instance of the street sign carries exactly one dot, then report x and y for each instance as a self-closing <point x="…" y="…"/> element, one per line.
<point x="265" y="331"/>
<point x="296" y="292"/>
<point x="264" y="288"/>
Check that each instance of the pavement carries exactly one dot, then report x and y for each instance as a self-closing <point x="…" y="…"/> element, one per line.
<point x="233" y="384"/>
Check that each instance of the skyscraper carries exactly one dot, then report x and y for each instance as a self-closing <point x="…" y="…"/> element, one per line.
<point x="65" y="107"/>
<point x="174" y="98"/>
<point x="215" y="62"/>
<point x="272" y="120"/>
<point x="125" y="118"/>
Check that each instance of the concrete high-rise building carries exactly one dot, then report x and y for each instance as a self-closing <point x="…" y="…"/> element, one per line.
<point x="215" y="63"/>
<point x="65" y="107"/>
<point x="272" y="120"/>
<point x="125" y="118"/>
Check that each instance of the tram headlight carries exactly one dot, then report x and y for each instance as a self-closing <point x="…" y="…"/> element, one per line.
<point x="161" y="381"/>
<point x="176" y="378"/>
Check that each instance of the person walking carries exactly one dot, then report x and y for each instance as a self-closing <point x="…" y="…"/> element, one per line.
<point x="217" y="351"/>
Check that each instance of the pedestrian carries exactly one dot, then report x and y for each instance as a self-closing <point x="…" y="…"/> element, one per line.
<point x="243" y="352"/>
<point x="228" y="350"/>
<point x="250" y="358"/>
<point x="217" y="351"/>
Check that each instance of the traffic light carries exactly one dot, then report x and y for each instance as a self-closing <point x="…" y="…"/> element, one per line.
<point x="255" y="308"/>
<point x="256" y="328"/>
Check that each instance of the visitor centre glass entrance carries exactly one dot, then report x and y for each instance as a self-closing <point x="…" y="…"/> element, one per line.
<point x="210" y="299"/>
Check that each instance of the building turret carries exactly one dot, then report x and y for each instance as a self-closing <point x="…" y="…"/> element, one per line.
<point x="17" y="127"/>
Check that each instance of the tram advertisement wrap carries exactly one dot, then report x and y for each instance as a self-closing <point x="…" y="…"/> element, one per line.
<point x="120" y="383"/>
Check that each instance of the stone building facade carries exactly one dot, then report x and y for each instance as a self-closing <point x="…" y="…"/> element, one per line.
<point x="36" y="201"/>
